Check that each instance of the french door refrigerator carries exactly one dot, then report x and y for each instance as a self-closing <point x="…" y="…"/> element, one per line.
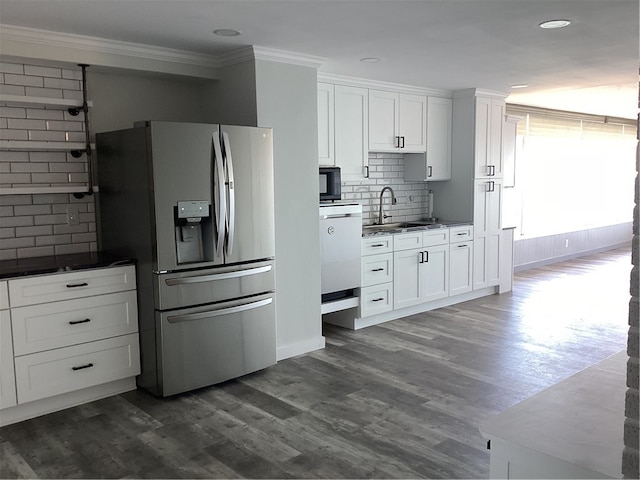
<point x="193" y="204"/>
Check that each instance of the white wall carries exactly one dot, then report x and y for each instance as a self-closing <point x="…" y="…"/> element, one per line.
<point x="286" y="101"/>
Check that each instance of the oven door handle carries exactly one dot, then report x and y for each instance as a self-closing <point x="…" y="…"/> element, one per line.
<point x="217" y="276"/>
<point x="216" y="313"/>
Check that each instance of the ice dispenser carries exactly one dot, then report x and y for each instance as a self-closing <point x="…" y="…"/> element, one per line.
<point x="193" y="231"/>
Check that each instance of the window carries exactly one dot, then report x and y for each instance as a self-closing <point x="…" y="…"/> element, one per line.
<point x="573" y="172"/>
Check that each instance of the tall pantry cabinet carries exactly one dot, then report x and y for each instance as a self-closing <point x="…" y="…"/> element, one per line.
<point x="475" y="189"/>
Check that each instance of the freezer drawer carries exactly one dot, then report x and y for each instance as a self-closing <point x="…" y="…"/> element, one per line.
<point x="197" y="287"/>
<point x="210" y="344"/>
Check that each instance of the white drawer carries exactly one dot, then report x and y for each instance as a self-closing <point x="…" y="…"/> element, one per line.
<point x="65" y="286"/>
<point x="54" y="372"/>
<point x="7" y="378"/>
<point x="461" y="234"/>
<point x="377" y="269"/>
<point x="437" y="236"/>
<point x="376" y="299"/>
<point x="4" y="295"/>
<point x="374" y="245"/>
<point x="407" y="241"/>
<point x="70" y="322"/>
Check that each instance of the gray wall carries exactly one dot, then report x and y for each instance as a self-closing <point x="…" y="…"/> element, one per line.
<point x="536" y="252"/>
<point x="286" y="100"/>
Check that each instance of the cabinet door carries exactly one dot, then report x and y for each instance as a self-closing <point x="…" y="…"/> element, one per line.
<point x="7" y="373"/>
<point x="482" y="126"/>
<point x="326" y="126"/>
<point x="487" y="233"/>
<point x="407" y="278"/>
<point x="460" y="268"/>
<point x="412" y="120"/>
<point x="351" y="131"/>
<point x="439" y="122"/>
<point x="435" y="273"/>
<point x="489" y="120"/>
<point x="383" y="121"/>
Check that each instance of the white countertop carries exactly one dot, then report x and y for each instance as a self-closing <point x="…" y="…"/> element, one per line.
<point x="579" y="420"/>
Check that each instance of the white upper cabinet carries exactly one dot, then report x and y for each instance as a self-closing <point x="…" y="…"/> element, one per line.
<point x="351" y="131"/>
<point x="326" y="127"/>
<point x="343" y="138"/>
<point x="397" y="122"/>
<point x="489" y="119"/>
<point x="436" y="163"/>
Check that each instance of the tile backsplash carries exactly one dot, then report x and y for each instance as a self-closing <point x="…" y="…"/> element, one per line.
<point x="33" y="225"/>
<point x="387" y="169"/>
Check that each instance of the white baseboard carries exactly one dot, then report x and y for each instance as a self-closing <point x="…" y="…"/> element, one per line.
<point x="44" y="406"/>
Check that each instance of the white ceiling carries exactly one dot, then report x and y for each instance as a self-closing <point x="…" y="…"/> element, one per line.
<point x="590" y="66"/>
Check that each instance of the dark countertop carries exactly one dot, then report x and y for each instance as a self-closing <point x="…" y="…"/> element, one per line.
<point x="59" y="263"/>
<point x="390" y="229"/>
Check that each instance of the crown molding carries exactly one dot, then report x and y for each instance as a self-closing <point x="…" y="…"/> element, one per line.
<point x="479" y="92"/>
<point x="32" y="43"/>
<point x="379" y="85"/>
<point x="23" y="42"/>
<point x="254" y="52"/>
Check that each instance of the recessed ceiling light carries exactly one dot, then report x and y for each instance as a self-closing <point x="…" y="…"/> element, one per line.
<point x="559" y="23"/>
<point x="227" y="32"/>
<point x="520" y="85"/>
<point x="370" y="60"/>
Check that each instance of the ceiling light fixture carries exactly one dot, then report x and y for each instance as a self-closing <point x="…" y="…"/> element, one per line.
<point x="370" y="60"/>
<point x="227" y="32"/>
<point x="559" y="23"/>
<point x="520" y="85"/>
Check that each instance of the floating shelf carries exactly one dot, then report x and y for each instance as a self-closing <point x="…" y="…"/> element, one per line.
<point x="52" y="103"/>
<point x="35" y="146"/>
<point x="34" y="190"/>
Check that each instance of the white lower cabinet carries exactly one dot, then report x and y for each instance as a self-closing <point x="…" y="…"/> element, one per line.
<point x="376" y="294"/>
<point x="461" y="260"/>
<point x="7" y="375"/>
<point x="73" y="334"/>
<point x="421" y="274"/>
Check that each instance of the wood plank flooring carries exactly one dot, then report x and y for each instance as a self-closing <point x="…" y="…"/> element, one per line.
<point x="400" y="400"/>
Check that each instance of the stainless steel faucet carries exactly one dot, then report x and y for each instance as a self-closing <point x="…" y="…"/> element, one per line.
<point x="381" y="215"/>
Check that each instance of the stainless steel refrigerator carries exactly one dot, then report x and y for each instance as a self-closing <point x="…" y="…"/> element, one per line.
<point x="193" y="204"/>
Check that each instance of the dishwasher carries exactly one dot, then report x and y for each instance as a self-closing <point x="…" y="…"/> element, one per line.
<point x="340" y="251"/>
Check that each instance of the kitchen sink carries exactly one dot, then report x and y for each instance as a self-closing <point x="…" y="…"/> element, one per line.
<point x="399" y="227"/>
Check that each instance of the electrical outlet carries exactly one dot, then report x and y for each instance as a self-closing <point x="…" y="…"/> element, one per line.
<point x="73" y="216"/>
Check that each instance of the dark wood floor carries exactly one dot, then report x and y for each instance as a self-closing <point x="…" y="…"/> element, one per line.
<point x="399" y="400"/>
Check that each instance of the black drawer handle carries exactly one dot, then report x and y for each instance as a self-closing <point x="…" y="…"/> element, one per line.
<point x="81" y="367"/>
<point x="74" y="285"/>
<point x="463" y="245"/>
<point x="75" y="322"/>
<point x="463" y="233"/>
<point x="377" y="270"/>
<point x="377" y="299"/>
<point x="378" y="245"/>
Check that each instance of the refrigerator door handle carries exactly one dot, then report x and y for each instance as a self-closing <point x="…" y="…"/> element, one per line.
<point x="231" y="211"/>
<point x="217" y="276"/>
<point x="217" y="313"/>
<point x="221" y="201"/>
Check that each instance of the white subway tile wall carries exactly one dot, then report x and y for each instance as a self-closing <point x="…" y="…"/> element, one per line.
<point x="387" y="169"/>
<point x="36" y="225"/>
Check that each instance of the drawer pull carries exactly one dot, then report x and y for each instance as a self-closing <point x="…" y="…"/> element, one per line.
<point x="463" y="245"/>
<point x="377" y="270"/>
<point x="377" y="299"/>
<point x="462" y="233"/>
<point x="75" y="285"/>
<point x="378" y="245"/>
<point x="81" y="367"/>
<point x="75" y="322"/>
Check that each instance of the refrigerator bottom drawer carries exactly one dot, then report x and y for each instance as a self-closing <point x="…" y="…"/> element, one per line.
<point x="206" y="345"/>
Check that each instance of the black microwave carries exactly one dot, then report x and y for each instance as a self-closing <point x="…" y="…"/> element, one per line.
<point x="330" y="183"/>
